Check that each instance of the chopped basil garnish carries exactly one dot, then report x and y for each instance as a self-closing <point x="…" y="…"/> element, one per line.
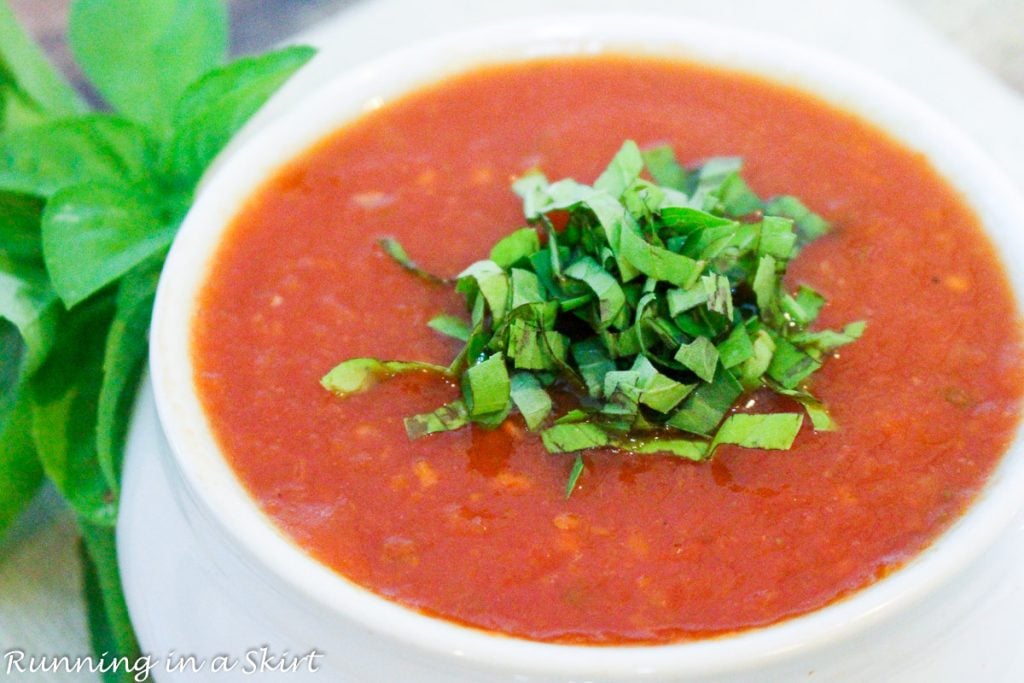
<point x="655" y="309"/>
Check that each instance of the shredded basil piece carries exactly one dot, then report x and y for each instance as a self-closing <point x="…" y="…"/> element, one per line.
<point x="450" y="326"/>
<point x="359" y="374"/>
<point x="690" y="449"/>
<point x="574" y="475"/>
<point x="574" y="436"/>
<point x="448" y="417"/>
<point x="520" y="245"/>
<point x="662" y="165"/>
<point x="486" y="386"/>
<point x="530" y="398"/>
<point x="772" y="431"/>
<point x="700" y="356"/>
<point x="395" y="250"/>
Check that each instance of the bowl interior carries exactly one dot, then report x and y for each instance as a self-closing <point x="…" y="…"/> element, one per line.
<point x="211" y="481"/>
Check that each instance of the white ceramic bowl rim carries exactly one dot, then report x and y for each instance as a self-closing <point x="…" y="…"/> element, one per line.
<point x="211" y="481"/>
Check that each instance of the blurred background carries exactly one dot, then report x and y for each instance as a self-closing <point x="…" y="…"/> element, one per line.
<point x="990" y="31"/>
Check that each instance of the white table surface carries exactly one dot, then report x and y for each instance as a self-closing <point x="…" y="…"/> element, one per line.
<point x="968" y="75"/>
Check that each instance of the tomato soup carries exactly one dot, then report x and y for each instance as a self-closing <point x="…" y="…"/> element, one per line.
<point x="473" y="526"/>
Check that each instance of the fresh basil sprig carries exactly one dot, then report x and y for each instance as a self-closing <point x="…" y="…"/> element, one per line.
<point x="657" y="306"/>
<point x="89" y="205"/>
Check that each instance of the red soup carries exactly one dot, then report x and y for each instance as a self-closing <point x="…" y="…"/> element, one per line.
<point x="473" y="525"/>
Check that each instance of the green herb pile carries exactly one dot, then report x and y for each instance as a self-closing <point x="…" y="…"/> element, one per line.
<point x="89" y="204"/>
<point x="657" y="306"/>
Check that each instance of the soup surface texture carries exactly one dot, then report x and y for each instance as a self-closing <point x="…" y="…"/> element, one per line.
<point x="473" y="525"/>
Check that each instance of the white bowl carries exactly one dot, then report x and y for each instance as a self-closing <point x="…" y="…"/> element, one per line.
<point x="368" y="638"/>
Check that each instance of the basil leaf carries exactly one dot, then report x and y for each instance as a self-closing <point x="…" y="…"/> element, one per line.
<point x="704" y="184"/>
<point x="594" y="364"/>
<point x="704" y="409"/>
<point x="700" y="356"/>
<point x="820" y="418"/>
<point x="12" y="354"/>
<point x="488" y="278"/>
<point x="515" y="247"/>
<point x="736" y="348"/>
<point x="29" y="304"/>
<point x="622" y="345"/>
<point x="94" y="234"/>
<point x="773" y="431"/>
<point x="567" y="194"/>
<point x="530" y="398"/>
<point x="816" y="410"/>
<point x="167" y="43"/>
<point x="809" y="225"/>
<point x="574" y="436"/>
<point x="736" y="198"/>
<point x="396" y="251"/>
<point x="574" y="475"/>
<point x="719" y="292"/>
<point x="662" y="165"/>
<point x="826" y="341"/>
<point x="658" y="391"/>
<point x="450" y="326"/>
<point x="658" y="262"/>
<point x="124" y="358"/>
<point x="356" y="375"/>
<point x="494" y="419"/>
<point x="110" y="627"/>
<point x="214" y="108"/>
<point x="610" y="214"/>
<point x="64" y="394"/>
<point x="766" y="284"/>
<point x="790" y="365"/>
<point x="446" y="418"/>
<point x="682" y="300"/>
<point x="689" y="449"/>
<point x="573" y="416"/>
<point x="36" y="83"/>
<point x="710" y="242"/>
<point x="623" y="170"/>
<point x="547" y="265"/>
<point x="20" y="216"/>
<point x="21" y="475"/>
<point x="15" y="108"/>
<point x="28" y="320"/>
<point x="685" y="220"/>
<point x="777" y="238"/>
<point x="525" y="288"/>
<point x="88" y="149"/>
<point x="610" y="298"/>
<point x="486" y="386"/>
<point x="534" y="348"/>
<point x="752" y="369"/>
<point x="622" y="392"/>
<point x="532" y="187"/>
<point x="803" y="309"/>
